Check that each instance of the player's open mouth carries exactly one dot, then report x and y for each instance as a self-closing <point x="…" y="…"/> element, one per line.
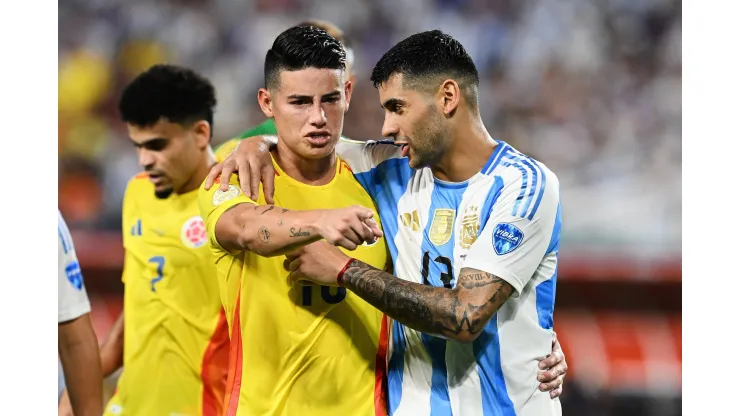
<point x="156" y="179"/>
<point x="405" y="149"/>
<point x="319" y="138"/>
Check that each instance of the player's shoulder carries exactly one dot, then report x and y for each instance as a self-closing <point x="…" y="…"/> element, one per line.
<point x="139" y="181"/>
<point x="346" y="142"/>
<point x="226" y="148"/>
<point x="514" y="166"/>
<point x="138" y="188"/>
<point x="363" y="156"/>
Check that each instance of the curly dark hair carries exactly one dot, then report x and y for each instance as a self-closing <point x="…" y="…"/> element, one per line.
<point x="175" y="93"/>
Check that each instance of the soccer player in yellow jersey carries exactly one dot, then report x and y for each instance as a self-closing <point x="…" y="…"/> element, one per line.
<point x="295" y="349"/>
<point x="172" y="336"/>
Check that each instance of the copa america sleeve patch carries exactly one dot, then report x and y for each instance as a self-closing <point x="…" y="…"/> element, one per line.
<point x="219" y="197"/>
<point x="506" y="238"/>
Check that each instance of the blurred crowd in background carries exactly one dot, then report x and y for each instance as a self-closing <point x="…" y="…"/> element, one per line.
<point x="591" y="88"/>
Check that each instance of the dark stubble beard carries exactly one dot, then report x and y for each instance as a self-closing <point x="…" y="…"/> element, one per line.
<point x="429" y="140"/>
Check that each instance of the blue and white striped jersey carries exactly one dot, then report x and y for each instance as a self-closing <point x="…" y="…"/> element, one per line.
<point x="506" y="221"/>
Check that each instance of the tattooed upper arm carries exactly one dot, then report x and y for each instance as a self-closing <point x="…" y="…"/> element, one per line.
<point x="482" y="294"/>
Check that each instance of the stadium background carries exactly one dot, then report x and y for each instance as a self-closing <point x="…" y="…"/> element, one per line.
<point x="591" y="88"/>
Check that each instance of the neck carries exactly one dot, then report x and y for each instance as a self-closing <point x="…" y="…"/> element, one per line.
<point x="204" y="166"/>
<point x="309" y="171"/>
<point x="467" y="153"/>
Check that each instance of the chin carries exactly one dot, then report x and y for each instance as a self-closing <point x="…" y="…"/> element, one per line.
<point x="315" y="152"/>
<point x="163" y="193"/>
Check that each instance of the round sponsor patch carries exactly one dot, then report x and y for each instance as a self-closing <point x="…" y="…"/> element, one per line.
<point x="219" y="197"/>
<point x="74" y="274"/>
<point x="193" y="232"/>
<point x="506" y="238"/>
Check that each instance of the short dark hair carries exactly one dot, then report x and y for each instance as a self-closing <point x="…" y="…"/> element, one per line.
<point x="428" y="56"/>
<point x="302" y="47"/>
<point x="176" y="93"/>
<point x="330" y="28"/>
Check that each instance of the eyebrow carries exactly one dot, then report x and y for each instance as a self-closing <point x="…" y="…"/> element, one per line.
<point x="303" y="97"/>
<point x="149" y="142"/>
<point x="391" y="102"/>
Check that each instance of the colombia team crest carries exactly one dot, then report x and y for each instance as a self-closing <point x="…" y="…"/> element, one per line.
<point x="193" y="233"/>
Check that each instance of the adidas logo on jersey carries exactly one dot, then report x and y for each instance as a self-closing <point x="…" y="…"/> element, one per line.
<point x="136" y="228"/>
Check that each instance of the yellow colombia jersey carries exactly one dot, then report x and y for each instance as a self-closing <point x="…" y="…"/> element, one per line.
<point x="305" y="349"/>
<point x="176" y="341"/>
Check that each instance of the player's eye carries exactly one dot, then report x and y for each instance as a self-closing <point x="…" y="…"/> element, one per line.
<point x="333" y="99"/>
<point x="155" y="145"/>
<point x="300" y="102"/>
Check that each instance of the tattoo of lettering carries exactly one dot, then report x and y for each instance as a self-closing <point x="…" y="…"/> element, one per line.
<point x="270" y="208"/>
<point x="458" y="313"/>
<point x="299" y="233"/>
<point x="285" y="210"/>
<point x="264" y="234"/>
<point x="279" y="222"/>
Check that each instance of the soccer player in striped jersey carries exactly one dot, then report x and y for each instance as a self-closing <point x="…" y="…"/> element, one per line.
<point x="473" y="227"/>
<point x="78" y="344"/>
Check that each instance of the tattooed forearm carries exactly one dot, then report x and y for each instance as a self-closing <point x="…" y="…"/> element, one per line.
<point x="299" y="232"/>
<point x="460" y="313"/>
<point x="264" y="234"/>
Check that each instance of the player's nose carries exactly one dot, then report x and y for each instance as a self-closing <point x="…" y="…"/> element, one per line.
<point x="389" y="129"/>
<point x="146" y="158"/>
<point x="318" y="116"/>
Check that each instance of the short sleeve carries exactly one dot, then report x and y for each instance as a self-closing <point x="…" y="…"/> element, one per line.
<point x="214" y="202"/>
<point x="513" y="243"/>
<point x="364" y="156"/>
<point x="73" y="300"/>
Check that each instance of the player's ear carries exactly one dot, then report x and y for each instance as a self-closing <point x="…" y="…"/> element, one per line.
<point x="449" y="96"/>
<point x="347" y="93"/>
<point x="202" y="133"/>
<point x="265" y="101"/>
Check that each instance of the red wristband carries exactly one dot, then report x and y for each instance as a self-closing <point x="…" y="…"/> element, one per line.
<point x="340" y="276"/>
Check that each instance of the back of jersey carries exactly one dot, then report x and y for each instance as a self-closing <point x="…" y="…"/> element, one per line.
<point x="505" y="220"/>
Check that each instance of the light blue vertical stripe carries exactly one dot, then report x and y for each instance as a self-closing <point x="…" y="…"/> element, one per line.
<point x="445" y="197"/>
<point x="386" y="183"/>
<point x="487" y="350"/>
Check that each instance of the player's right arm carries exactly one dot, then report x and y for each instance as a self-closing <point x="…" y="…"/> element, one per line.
<point x="237" y="223"/>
